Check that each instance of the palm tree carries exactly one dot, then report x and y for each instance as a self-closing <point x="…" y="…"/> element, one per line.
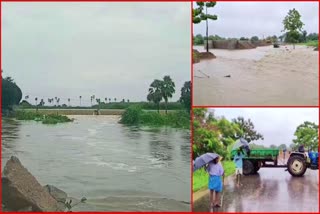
<point x="115" y="99"/>
<point x="155" y="93"/>
<point x="26" y="97"/>
<point x="109" y="100"/>
<point x="58" y="100"/>
<point x="69" y="101"/>
<point x="167" y="90"/>
<point x="49" y="100"/>
<point x="80" y="99"/>
<point x="123" y="100"/>
<point x="106" y="99"/>
<point x="128" y="100"/>
<point x="36" y="99"/>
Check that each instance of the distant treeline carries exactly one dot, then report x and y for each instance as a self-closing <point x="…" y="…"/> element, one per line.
<point x="304" y="37"/>
<point x="114" y="105"/>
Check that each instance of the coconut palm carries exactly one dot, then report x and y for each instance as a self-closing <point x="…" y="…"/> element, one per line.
<point x="109" y="100"/>
<point x="167" y="89"/>
<point x="106" y="99"/>
<point x="128" y="100"/>
<point x="80" y="99"/>
<point x="69" y="101"/>
<point x="36" y="99"/>
<point x="115" y="99"/>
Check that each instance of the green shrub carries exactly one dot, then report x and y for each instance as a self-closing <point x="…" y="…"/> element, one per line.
<point x="45" y="119"/>
<point x="132" y="115"/>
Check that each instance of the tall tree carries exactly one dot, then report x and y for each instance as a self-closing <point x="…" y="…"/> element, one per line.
<point x="69" y="101"/>
<point x="293" y="26"/>
<point x="80" y="99"/>
<point x="167" y="90"/>
<point x="155" y="94"/>
<point x="185" y="97"/>
<point x="11" y="93"/>
<point x="199" y="15"/>
<point x="248" y="131"/>
<point x="36" y="99"/>
<point x="307" y="134"/>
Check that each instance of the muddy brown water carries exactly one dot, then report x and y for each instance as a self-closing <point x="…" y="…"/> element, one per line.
<point x="271" y="190"/>
<point x="261" y="76"/>
<point x="117" y="168"/>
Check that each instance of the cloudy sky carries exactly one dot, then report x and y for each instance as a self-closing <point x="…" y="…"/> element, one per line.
<point x="237" y="19"/>
<point x="104" y="49"/>
<point x="277" y="125"/>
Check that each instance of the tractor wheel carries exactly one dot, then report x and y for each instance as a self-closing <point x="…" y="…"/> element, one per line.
<point x="248" y="167"/>
<point x="297" y="165"/>
<point x="256" y="166"/>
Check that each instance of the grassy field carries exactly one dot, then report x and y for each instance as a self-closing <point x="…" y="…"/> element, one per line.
<point x="310" y="43"/>
<point x="200" y="177"/>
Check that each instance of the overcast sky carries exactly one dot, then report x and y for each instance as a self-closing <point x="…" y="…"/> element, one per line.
<point x="102" y="49"/>
<point x="237" y="19"/>
<point x="277" y="125"/>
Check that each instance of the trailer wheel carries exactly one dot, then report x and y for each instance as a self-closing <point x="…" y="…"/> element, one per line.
<point x="248" y="167"/>
<point x="297" y="165"/>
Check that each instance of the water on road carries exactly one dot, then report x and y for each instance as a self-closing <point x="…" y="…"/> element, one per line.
<point x="271" y="190"/>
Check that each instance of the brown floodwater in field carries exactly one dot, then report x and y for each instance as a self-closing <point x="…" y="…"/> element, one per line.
<point x="261" y="76"/>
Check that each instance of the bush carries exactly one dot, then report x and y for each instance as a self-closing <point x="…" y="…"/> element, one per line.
<point x="132" y="115"/>
<point x="46" y="119"/>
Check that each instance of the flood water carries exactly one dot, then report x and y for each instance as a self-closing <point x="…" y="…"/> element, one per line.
<point x="260" y="76"/>
<point x="271" y="190"/>
<point x="115" y="167"/>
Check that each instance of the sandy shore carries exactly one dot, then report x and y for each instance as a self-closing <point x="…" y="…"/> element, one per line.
<point x="261" y="76"/>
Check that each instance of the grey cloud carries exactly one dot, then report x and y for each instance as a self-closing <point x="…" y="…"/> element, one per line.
<point x="236" y="19"/>
<point x="106" y="49"/>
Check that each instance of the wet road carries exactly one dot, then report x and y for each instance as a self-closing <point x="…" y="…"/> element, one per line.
<point x="271" y="190"/>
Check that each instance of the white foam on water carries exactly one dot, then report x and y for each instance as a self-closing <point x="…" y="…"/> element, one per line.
<point x="92" y="131"/>
<point x="112" y="165"/>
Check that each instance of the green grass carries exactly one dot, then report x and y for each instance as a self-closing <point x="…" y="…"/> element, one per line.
<point x="135" y="115"/>
<point x="310" y="43"/>
<point x="44" y="118"/>
<point x="200" y="177"/>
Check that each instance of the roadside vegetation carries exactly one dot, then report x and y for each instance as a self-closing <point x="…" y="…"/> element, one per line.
<point x="39" y="117"/>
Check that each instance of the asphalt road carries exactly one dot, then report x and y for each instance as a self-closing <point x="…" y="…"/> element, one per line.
<point x="271" y="190"/>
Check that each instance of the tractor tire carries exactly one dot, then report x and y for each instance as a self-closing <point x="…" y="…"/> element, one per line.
<point x="256" y="166"/>
<point x="248" y="167"/>
<point x="297" y="166"/>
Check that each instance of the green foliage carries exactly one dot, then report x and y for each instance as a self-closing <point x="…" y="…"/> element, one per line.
<point x="198" y="40"/>
<point x="185" y="97"/>
<point x="44" y="118"/>
<point x="254" y="39"/>
<point x="307" y="134"/>
<point x="201" y="177"/>
<point x="161" y="89"/>
<point x="244" y="39"/>
<point x="292" y="26"/>
<point x="313" y="37"/>
<point x="132" y="115"/>
<point x="247" y="127"/>
<point x="199" y="15"/>
<point x="211" y="134"/>
<point x="11" y="93"/>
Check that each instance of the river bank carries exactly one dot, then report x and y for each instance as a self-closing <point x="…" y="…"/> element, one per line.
<point x="261" y="76"/>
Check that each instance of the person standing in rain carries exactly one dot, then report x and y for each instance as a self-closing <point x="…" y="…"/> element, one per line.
<point x="238" y="160"/>
<point x="215" y="185"/>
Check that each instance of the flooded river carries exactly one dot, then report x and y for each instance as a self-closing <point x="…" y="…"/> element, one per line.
<point x="115" y="167"/>
<point x="261" y="76"/>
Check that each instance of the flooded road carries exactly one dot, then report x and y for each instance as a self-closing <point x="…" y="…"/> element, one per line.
<point x="272" y="190"/>
<point x="115" y="167"/>
<point x="261" y="76"/>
